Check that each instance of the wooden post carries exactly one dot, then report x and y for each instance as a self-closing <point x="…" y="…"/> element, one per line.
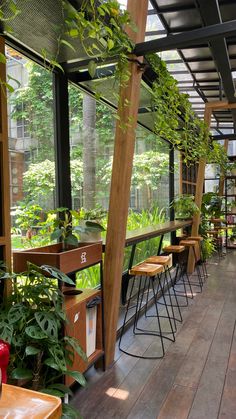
<point x="120" y="185"/>
<point x="222" y="175"/>
<point x="199" y="191"/>
<point x="5" y="221"/>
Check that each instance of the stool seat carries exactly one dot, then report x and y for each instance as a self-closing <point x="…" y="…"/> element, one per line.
<point x="147" y="269"/>
<point x="19" y="402"/>
<point x="174" y="248"/>
<point x="161" y="260"/>
<point x="196" y="238"/>
<point x="188" y="243"/>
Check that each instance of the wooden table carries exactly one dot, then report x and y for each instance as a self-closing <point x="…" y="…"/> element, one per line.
<point x="142" y="234"/>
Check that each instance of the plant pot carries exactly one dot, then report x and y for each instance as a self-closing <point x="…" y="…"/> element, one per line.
<point x="90" y="236"/>
<point x="67" y="261"/>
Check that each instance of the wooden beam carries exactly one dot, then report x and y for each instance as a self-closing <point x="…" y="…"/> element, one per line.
<point x="220" y="105"/>
<point x="222" y="175"/>
<point x="199" y="191"/>
<point x="120" y="186"/>
<point x="5" y="221"/>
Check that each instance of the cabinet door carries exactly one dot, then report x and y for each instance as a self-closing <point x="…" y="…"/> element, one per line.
<point x="77" y="329"/>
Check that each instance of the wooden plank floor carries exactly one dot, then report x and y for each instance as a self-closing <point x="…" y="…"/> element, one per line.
<point x="197" y="377"/>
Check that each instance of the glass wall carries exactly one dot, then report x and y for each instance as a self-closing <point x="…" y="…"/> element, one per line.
<point x="31" y="147"/>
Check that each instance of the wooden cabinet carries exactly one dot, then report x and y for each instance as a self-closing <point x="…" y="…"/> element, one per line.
<point x="70" y="262"/>
<point x="78" y="316"/>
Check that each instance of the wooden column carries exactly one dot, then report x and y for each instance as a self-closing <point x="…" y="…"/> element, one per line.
<point x="222" y="175"/>
<point x="5" y="221"/>
<point x="120" y="185"/>
<point x="199" y="191"/>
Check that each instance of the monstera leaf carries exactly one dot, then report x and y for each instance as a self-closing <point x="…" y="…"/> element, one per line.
<point x="47" y="323"/>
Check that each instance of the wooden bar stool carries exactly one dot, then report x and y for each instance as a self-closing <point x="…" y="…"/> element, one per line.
<point x="191" y="245"/>
<point x="199" y="239"/>
<point x="149" y="273"/>
<point x="181" y="275"/>
<point x="165" y="261"/>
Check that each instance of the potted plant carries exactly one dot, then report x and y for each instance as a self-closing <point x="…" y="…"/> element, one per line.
<point x="32" y="321"/>
<point x="184" y="207"/>
<point x="90" y="227"/>
<point x="70" y="254"/>
<point x="211" y="205"/>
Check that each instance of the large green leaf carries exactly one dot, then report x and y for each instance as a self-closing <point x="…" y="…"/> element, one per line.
<point x="77" y="377"/>
<point x="93" y="226"/>
<point x="56" y="273"/>
<point x="17" y="312"/>
<point x="21" y="374"/>
<point x="58" y="386"/>
<point x="58" y="355"/>
<point x="68" y="412"/>
<point x="56" y="234"/>
<point x="31" y="350"/>
<point x="35" y="332"/>
<point x="76" y="346"/>
<point x="52" y="392"/>
<point x="6" y="330"/>
<point x="50" y="362"/>
<point x="72" y="240"/>
<point x="48" y="324"/>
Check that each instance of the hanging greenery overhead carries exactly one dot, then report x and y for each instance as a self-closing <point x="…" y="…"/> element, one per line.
<point x="176" y="121"/>
<point x="101" y="32"/>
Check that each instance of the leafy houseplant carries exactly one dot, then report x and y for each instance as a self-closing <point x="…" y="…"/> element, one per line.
<point x="184" y="207"/>
<point x="66" y="228"/>
<point x="90" y="223"/>
<point x="32" y="321"/>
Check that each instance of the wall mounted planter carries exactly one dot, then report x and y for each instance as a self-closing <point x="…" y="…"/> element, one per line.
<point x="74" y="259"/>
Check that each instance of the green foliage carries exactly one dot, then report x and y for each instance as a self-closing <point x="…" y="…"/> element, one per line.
<point x="27" y="216"/>
<point x="176" y="121"/>
<point x="32" y="320"/>
<point x="218" y="155"/>
<point x="208" y="247"/>
<point x="184" y="206"/>
<point x="39" y="180"/>
<point x="148" y="169"/>
<point x="138" y="220"/>
<point x="97" y="213"/>
<point x="211" y="205"/>
<point x="34" y="105"/>
<point x="64" y="224"/>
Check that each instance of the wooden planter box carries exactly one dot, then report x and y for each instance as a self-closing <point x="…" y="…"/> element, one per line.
<point x="86" y="254"/>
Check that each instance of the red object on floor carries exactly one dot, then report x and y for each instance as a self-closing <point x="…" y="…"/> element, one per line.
<point x="4" y="359"/>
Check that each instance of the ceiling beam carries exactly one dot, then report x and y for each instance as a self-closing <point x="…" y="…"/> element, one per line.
<point x="210" y="14"/>
<point x="185" y="40"/>
<point x="219" y="137"/>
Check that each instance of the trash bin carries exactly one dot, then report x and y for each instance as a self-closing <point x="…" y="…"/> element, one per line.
<point x="91" y="324"/>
